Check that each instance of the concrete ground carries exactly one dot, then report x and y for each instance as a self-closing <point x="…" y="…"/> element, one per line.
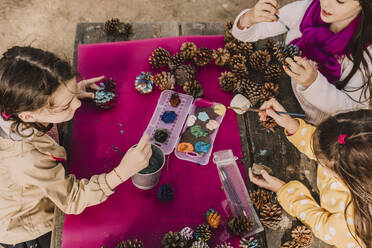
<point x="50" y="24"/>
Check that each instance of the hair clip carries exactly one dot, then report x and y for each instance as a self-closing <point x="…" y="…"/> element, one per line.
<point x="5" y="115"/>
<point x="341" y="139"/>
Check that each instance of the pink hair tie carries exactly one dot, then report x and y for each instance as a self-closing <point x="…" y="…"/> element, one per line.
<point x="5" y="115"/>
<point x="341" y="138"/>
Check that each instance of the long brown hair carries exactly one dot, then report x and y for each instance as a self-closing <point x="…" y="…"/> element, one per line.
<point x="351" y="161"/>
<point x="28" y="77"/>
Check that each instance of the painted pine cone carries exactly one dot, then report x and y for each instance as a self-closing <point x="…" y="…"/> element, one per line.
<point x="221" y="56"/>
<point x="238" y="66"/>
<point x="213" y="218"/>
<point x="251" y="90"/>
<point x="160" y="57"/>
<point x="106" y="96"/>
<point x="187" y="233"/>
<point x="165" y="192"/>
<point x="303" y="236"/>
<point x="273" y="72"/>
<point x="251" y="242"/>
<point x="259" y="60"/>
<point x="228" y="81"/>
<point x="202" y="233"/>
<point x="130" y="244"/>
<point x="203" y="56"/>
<point x="193" y="88"/>
<point x="291" y="244"/>
<point x="240" y="225"/>
<point x="164" y="80"/>
<point x="173" y="240"/>
<point x="175" y="61"/>
<point x="188" y="50"/>
<point x="225" y="245"/>
<point x="199" y="244"/>
<point x="260" y="197"/>
<point x="270" y="90"/>
<point x="271" y="215"/>
<point x="144" y="83"/>
<point x="184" y="73"/>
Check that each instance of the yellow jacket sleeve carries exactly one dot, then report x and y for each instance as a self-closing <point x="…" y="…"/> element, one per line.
<point x="302" y="139"/>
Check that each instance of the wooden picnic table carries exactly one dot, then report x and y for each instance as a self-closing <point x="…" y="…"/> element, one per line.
<point x="259" y="145"/>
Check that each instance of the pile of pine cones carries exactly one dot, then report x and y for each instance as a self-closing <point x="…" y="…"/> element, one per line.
<point x="181" y="67"/>
<point x="270" y="212"/>
<point x="252" y="72"/>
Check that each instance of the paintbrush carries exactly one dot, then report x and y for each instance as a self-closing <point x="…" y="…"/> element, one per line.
<point x="278" y="112"/>
<point x="279" y="20"/>
<point x="117" y="150"/>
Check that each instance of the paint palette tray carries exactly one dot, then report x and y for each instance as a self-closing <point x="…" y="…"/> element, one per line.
<point x="173" y="128"/>
<point x="201" y="158"/>
<point x="235" y="190"/>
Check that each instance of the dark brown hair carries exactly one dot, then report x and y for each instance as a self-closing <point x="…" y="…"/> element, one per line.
<point x="28" y="78"/>
<point x="351" y="161"/>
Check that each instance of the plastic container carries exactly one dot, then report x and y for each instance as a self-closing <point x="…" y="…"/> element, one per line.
<point x="235" y="190"/>
<point x="174" y="129"/>
<point x="201" y="159"/>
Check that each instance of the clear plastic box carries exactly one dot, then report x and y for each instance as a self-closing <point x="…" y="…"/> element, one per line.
<point x="235" y="189"/>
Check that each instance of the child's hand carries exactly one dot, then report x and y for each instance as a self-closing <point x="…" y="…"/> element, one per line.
<point x="263" y="11"/>
<point x="266" y="181"/>
<point x="285" y="121"/>
<point x="82" y="87"/>
<point x="136" y="159"/>
<point x="301" y="71"/>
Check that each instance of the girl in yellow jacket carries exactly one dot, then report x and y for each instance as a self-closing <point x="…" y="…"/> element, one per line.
<point x="342" y="145"/>
<point x="38" y="89"/>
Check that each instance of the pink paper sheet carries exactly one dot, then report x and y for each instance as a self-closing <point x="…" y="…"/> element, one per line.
<point x="130" y="212"/>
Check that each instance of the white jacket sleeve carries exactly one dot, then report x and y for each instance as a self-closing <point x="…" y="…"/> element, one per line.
<point x="290" y="14"/>
<point x="326" y="97"/>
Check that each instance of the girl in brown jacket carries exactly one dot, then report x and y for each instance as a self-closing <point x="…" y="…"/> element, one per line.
<point x="37" y="90"/>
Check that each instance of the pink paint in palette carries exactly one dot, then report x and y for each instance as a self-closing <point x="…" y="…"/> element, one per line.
<point x="182" y="110"/>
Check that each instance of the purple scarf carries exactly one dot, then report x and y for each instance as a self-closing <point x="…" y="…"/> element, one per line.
<point x="320" y="44"/>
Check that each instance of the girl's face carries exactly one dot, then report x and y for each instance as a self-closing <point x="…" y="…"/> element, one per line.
<point x="64" y="104"/>
<point x="339" y="11"/>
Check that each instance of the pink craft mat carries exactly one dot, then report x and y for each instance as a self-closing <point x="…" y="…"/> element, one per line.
<point x="130" y="212"/>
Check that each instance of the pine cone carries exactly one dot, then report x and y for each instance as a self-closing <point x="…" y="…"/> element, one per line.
<point x="187" y="233"/>
<point x="269" y="123"/>
<point x="199" y="244"/>
<point x="228" y="37"/>
<point x="203" y="56"/>
<point x="144" y="83"/>
<point x="259" y="197"/>
<point x="282" y="51"/>
<point x="114" y="27"/>
<point x="270" y="90"/>
<point x="251" y="90"/>
<point x="202" y="233"/>
<point x="225" y="245"/>
<point x="273" y="72"/>
<point x="213" y="218"/>
<point x="165" y="192"/>
<point x="184" y="73"/>
<point x="228" y="81"/>
<point x="228" y="25"/>
<point x="238" y="66"/>
<point x="164" y="80"/>
<point x="193" y="88"/>
<point x="269" y="45"/>
<point x="232" y="48"/>
<point x="173" y="240"/>
<point x="244" y="48"/>
<point x="175" y="61"/>
<point x="249" y="243"/>
<point x="221" y="56"/>
<point x="130" y="244"/>
<point x="240" y="225"/>
<point x="106" y="97"/>
<point x="188" y="50"/>
<point x="259" y="60"/>
<point x="303" y="236"/>
<point x="291" y="244"/>
<point x="278" y="53"/>
<point x="271" y="215"/>
<point x="160" y="57"/>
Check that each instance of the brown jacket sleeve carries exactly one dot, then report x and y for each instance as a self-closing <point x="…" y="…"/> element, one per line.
<point x="69" y="194"/>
